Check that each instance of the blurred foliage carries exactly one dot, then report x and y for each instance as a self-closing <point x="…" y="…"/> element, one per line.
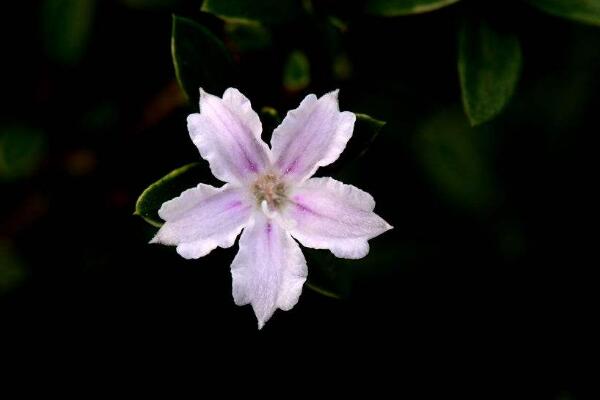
<point x="247" y="35"/>
<point x="12" y="268"/>
<point x="21" y="151"/>
<point x="200" y="59"/>
<point x="270" y="119"/>
<point x="393" y="8"/>
<point x="489" y="59"/>
<point x="342" y="67"/>
<point x="454" y="157"/>
<point x="67" y="27"/>
<point x="153" y="4"/>
<point x="269" y="11"/>
<point x="587" y="11"/>
<point x="489" y="64"/>
<point x="296" y="73"/>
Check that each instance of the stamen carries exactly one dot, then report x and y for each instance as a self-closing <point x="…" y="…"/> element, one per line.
<point x="270" y="189"/>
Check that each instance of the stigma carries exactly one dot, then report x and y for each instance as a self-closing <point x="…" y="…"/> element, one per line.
<point x="270" y="191"/>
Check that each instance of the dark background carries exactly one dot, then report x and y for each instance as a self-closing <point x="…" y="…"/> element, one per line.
<point x="489" y="272"/>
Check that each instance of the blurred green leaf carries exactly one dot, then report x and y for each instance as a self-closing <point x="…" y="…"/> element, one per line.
<point x="489" y="65"/>
<point x="166" y="188"/>
<point x="586" y="11"/>
<point x="270" y="119"/>
<point x="66" y="28"/>
<point x="455" y="158"/>
<point x="296" y="72"/>
<point x="21" y="150"/>
<point x="393" y="8"/>
<point x="200" y="59"/>
<point x="247" y="35"/>
<point x="268" y="11"/>
<point x="342" y="67"/>
<point x="558" y="99"/>
<point x="12" y="270"/>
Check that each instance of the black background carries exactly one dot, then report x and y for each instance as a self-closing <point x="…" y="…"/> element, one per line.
<point x="502" y="290"/>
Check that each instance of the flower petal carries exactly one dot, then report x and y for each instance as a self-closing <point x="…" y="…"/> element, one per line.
<point x="311" y="136"/>
<point x="269" y="269"/>
<point x="227" y="134"/>
<point x="327" y="214"/>
<point x="202" y="218"/>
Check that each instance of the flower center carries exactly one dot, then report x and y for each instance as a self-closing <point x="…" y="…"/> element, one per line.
<point x="271" y="189"/>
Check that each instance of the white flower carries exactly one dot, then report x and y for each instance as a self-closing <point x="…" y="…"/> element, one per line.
<point x="270" y="195"/>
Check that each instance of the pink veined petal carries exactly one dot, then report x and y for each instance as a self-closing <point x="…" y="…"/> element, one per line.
<point x="327" y="214"/>
<point x="269" y="269"/>
<point x="311" y="136"/>
<point x="203" y="218"/>
<point x="227" y="134"/>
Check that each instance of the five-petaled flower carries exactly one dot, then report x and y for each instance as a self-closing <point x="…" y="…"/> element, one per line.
<point x="270" y="195"/>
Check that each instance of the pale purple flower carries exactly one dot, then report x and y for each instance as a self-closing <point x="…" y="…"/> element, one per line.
<point x="270" y="195"/>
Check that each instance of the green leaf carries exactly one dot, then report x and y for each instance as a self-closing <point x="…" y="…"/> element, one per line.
<point x="200" y="59"/>
<point x="66" y="28"/>
<point x="455" y="158"/>
<point x="296" y="72"/>
<point x="366" y="130"/>
<point x="247" y="35"/>
<point x="586" y="11"/>
<point x="268" y="11"/>
<point x="322" y="290"/>
<point x="489" y="65"/>
<point x="394" y="8"/>
<point x="328" y="276"/>
<point x="166" y="188"/>
<point x="21" y="151"/>
<point x="335" y="277"/>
